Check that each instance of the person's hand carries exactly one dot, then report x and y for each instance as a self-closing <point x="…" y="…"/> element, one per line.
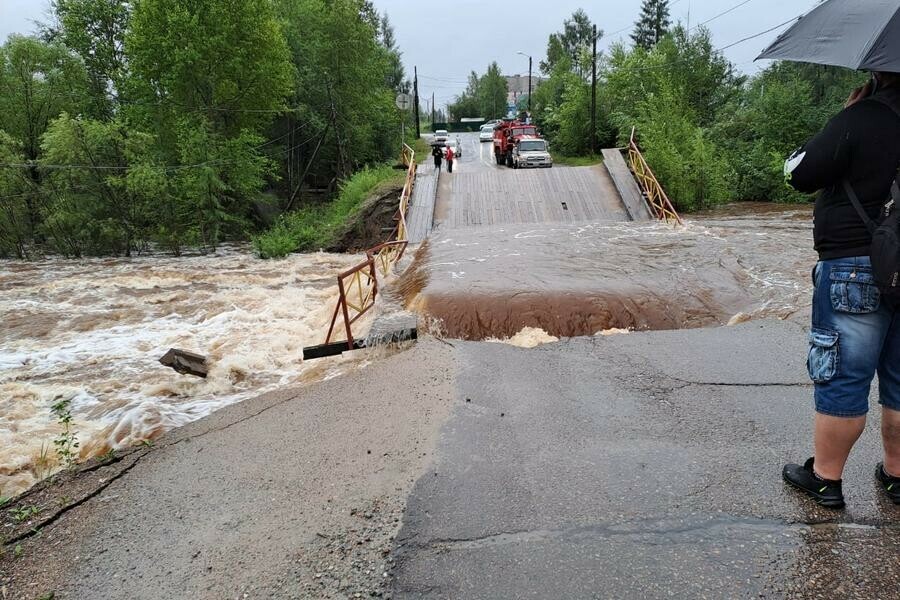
<point x="858" y="94"/>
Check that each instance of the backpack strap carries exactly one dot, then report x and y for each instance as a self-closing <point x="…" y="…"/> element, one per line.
<point x="854" y="199"/>
<point x="895" y="188"/>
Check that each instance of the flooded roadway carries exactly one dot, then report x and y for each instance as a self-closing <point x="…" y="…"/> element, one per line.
<point x="581" y="278"/>
<point x="572" y="280"/>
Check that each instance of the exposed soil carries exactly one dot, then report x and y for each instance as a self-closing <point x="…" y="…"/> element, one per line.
<point x="373" y="222"/>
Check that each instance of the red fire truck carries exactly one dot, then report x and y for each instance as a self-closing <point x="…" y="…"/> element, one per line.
<point x="506" y="135"/>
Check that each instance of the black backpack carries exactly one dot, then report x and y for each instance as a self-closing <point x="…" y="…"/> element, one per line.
<point x="885" y="251"/>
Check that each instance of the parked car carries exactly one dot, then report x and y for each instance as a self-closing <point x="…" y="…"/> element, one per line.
<point x="441" y="135"/>
<point x="531" y="152"/>
<point x="457" y="147"/>
<point x="487" y="133"/>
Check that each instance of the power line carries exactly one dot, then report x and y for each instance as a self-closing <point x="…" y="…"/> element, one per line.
<point x="31" y="165"/>
<point x="721" y="49"/>
<point x="721" y="14"/>
<point x="761" y="33"/>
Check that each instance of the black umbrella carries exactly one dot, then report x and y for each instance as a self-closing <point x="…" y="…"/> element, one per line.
<point x="859" y="34"/>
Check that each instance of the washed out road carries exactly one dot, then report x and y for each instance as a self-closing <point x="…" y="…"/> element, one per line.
<point x="638" y="465"/>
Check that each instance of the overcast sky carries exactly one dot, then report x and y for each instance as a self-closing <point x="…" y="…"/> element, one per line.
<point x="447" y="40"/>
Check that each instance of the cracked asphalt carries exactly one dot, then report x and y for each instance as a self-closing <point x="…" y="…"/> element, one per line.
<point x="640" y="466"/>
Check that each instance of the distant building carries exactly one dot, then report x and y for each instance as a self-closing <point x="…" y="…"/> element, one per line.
<point x="517" y="86"/>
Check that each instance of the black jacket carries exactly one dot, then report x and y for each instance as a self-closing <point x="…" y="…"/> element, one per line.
<point x="861" y="144"/>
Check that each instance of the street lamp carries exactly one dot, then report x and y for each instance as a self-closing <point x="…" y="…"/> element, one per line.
<point x="529" y="81"/>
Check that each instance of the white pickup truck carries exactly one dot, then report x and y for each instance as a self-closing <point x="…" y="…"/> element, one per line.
<point x="531" y="152"/>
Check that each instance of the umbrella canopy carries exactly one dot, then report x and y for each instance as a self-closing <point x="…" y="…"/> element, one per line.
<point x="859" y="34"/>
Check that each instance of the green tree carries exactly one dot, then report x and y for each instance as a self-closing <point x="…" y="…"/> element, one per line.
<point x="104" y="187"/>
<point x="343" y="98"/>
<point x="493" y="91"/>
<point x="652" y="25"/>
<point x="227" y="63"/>
<point x="674" y="93"/>
<point x="778" y="111"/>
<point x="209" y="77"/>
<point x="396" y="76"/>
<point x="15" y="191"/>
<point x="95" y="30"/>
<point x="574" y="44"/>
<point x="38" y="81"/>
<point x="467" y="103"/>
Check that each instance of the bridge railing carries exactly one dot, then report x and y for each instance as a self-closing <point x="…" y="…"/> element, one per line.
<point x="653" y="191"/>
<point x="358" y="286"/>
<point x="408" y="157"/>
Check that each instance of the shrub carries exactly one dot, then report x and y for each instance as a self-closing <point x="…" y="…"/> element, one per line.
<point x="314" y="227"/>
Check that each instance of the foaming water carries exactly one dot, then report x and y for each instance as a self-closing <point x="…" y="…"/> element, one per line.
<point x="529" y="337"/>
<point x="733" y="264"/>
<point x="92" y="331"/>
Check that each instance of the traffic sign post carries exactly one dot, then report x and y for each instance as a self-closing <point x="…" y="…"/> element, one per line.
<point x="403" y="102"/>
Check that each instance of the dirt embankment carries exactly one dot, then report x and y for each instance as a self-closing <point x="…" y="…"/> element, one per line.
<point x="372" y="223"/>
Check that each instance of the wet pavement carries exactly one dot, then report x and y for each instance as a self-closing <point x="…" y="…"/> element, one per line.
<point x="643" y="465"/>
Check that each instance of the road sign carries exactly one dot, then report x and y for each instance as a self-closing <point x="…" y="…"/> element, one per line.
<point x="403" y="101"/>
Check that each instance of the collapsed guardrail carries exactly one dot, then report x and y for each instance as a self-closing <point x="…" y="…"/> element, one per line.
<point x="358" y="286"/>
<point x="654" y="193"/>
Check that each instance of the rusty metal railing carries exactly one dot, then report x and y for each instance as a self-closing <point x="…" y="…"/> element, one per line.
<point x="408" y="157"/>
<point x="654" y="193"/>
<point x="358" y="287"/>
<point x="386" y="255"/>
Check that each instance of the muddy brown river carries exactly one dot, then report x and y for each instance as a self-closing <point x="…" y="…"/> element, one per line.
<point x="724" y="266"/>
<point x="91" y="331"/>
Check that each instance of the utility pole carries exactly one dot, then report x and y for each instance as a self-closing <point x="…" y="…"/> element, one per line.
<point x="529" y="86"/>
<point x="416" y="99"/>
<point x="529" y="81"/>
<point x="433" y="107"/>
<point x="593" y="96"/>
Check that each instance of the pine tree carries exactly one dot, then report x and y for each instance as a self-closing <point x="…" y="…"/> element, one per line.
<point x="652" y="25"/>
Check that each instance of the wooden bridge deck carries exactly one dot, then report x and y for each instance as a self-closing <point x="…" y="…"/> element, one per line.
<point x="625" y="183"/>
<point x="420" y="217"/>
<point x="557" y="195"/>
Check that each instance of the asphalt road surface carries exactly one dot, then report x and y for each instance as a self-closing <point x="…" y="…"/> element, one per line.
<point x="640" y="466"/>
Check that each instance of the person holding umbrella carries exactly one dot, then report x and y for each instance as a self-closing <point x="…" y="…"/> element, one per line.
<point x="438" y="156"/>
<point x="854" y="160"/>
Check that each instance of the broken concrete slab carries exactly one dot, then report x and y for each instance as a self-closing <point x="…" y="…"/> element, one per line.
<point x="186" y="363"/>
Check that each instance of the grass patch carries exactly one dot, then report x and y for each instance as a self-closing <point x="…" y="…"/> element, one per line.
<point x="422" y="148"/>
<point x="577" y="161"/>
<point x="314" y="227"/>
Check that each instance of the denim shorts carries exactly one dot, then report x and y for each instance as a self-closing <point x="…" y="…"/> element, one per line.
<point x="853" y="336"/>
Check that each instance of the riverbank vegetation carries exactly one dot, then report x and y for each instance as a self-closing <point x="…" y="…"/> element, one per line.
<point x="156" y="123"/>
<point x="711" y="134"/>
<point x="317" y="226"/>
